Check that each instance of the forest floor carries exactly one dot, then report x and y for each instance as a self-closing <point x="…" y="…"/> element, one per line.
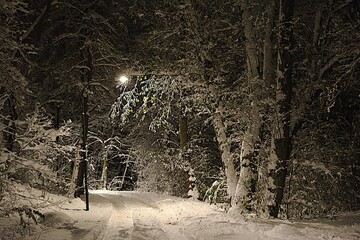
<point x="150" y="216"/>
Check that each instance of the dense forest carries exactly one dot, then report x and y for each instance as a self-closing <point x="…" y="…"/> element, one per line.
<point x="251" y="104"/>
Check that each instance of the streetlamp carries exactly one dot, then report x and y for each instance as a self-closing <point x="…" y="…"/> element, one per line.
<point x="122" y="80"/>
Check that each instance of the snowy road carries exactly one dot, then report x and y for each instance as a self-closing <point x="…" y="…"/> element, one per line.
<point x="150" y="216"/>
<point x="137" y="217"/>
<point x="146" y="216"/>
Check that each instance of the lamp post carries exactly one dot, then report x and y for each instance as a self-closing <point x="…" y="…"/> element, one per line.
<point x="85" y="122"/>
<point x="82" y="175"/>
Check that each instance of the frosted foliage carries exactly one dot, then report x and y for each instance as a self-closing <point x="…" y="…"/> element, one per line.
<point x="39" y="133"/>
<point x="156" y="96"/>
<point x="158" y="172"/>
<point x="39" y="151"/>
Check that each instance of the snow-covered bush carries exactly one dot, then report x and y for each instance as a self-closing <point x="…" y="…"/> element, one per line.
<point x="205" y="160"/>
<point x="318" y="189"/>
<point x="162" y="173"/>
<point x="106" y="155"/>
<point x="43" y="154"/>
<point x="324" y="176"/>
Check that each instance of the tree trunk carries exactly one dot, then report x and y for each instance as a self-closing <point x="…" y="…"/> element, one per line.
<point x="315" y="41"/>
<point x="183" y="139"/>
<point x="246" y="183"/>
<point x="268" y="68"/>
<point x="269" y="82"/>
<point x="75" y="172"/>
<point x="10" y="116"/>
<point x="253" y="66"/>
<point x="205" y="59"/>
<point x="281" y="139"/>
<point x="104" y="170"/>
<point x="183" y="132"/>
<point x="248" y="159"/>
<point x="226" y="157"/>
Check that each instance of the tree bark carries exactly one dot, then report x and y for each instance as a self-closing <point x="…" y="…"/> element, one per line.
<point x="9" y="115"/>
<point x="252" y="57"/>
<point x="248" y="158"/>
<point x="183" y="140"/>
<point x="104" y="170"/>
<point x="224" y="145"/>
<point x="315" y="41"/>
<point x="75" y="172"/>
<point x="246" y="183"/>
<point x="269" y="82"/>
<point x="281" y="138"/>
<point x="268" y="68"/>
<point x="183" y="132"/>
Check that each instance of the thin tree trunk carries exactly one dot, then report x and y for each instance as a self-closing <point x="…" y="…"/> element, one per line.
<point x="268" y="68"/>
<point x="281" y="139"/>
<point x="104" y="170"/>
<point x="253" y="66"/>
<point x="315" y="41"/>
<point x="75" y="172"/>
<point x="10" y="116"/>
<point x="184" y="139"/>
<point x="58" y="162"/>
<point x="124" y="173"/>
<point x="183" y="132"/>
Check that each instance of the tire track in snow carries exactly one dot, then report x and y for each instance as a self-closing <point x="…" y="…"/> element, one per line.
<point x="134" y="218"/>
<point x="120" y="221"/>
<point x="147" y="225"/>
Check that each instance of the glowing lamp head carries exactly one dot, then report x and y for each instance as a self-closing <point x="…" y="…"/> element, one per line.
<point x="123" y="79"/>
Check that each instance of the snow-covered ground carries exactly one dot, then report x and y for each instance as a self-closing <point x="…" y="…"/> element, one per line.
<point x="142" y="216"/>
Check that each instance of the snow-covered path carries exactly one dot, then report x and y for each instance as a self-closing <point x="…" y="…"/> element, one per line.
<point x="135" y="217"/>
<point x="150" y="216"/>
<point x="141" y="216"/>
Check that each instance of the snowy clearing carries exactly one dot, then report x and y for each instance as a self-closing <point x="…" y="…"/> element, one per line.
<point x="141" y="216"/>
